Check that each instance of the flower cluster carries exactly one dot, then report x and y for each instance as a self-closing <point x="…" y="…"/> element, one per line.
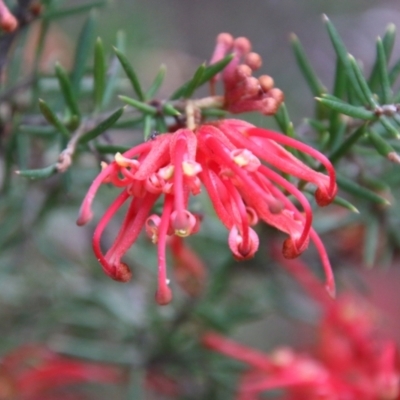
<point x="242" y="91"/>
<point x="351" y="360"/>
<point x="225" y="157"/>
<point x="33" y="372"/>
<point x="235" y="162"/>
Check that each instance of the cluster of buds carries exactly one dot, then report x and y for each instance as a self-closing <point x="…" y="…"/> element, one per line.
<point x="8" y="22"/>
<point x="237" y="163"/>
<point x="351" y="359"/>
<point x="33" y="372"/>
<point x="242" y="91"/>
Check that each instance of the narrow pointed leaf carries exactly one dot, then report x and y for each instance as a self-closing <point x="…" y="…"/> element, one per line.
<point x="346" y="204"/>
<point x="368" y="96"/>
<point x="82" y="51"/>
<point x="383" y="147"/>
<point x="66" y="90"/>
<point x="339" y="86"/>
<point x="342" y="54"/>
<point x="347" y="109"/>
<point x="383" y="73"/>
<point x="355" y="189"/>
<point x="169" y="109"/>
<point x="52" y="118"/>
<point x="113" y="70"/>
<point x="131" y="74"/>
<point x="388" y="43"/>
<point x="144" y="107"/>
<point x="147" y="126"/>
<point x="102" y="127"/>
<point x="305" y="67"/>
<point x="282" y="118"/>
<point x="99" y="73"/>
<point x="215" y="68"/>
<point x="155" y="86"/>
<point x="161" y="126"/>
<point x="209" y="72"/>
<point x="38" y="173"/>
<point x="110" y="149"/>
<point x="335" y="119"/>
<point x="390" y="128"/>
<point x="347" y="144"/>
<point x="195" y="82"/>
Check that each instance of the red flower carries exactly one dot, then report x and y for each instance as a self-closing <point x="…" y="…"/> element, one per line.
<point x="226" y="157"/>
<point x="33" y="372"/>
<point x="352" y="361"/>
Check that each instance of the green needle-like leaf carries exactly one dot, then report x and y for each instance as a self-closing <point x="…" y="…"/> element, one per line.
<point x="114" y="69"/>
<point x="38" y="173"/>
<point x="209" y="73"/>
<point x="215" y="68"/>
<point x="102" y="127"/>
<point x="195" y="82"/>
<point x="345" y="204"/>
<point x="147" y="126"/>
<point x="383" y="147"/>
<point x="383" y="73"/>
<point x="347" y="144"/>
<point x="110" y="149"/>
<point x="161" y="126"/>
<point x="169" y="109"/>
<point x="82" y="51"/>
<point x="335" y="120"/>
<point x="131" y="74"/>
<point x="282" y="118"/>
<point x="339" y="86"/>
<point x="388" y="43"/>
<point x="67" y="91"/>
<point x="368" y="96"/>
<point x="363" y="193"/>
<point x="342" y="55"/>
<point x="52" y="118"/>
<point x="390" y="128"/>
<point x="144" y="107"/>
<point x="305" y="67"/>
<point x="99" y="73"/>
<point x="155" y="86"/>
<point x="347" y="109"/>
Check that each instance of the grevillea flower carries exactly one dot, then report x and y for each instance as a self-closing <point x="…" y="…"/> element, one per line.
<point x="351" y="359"/>
<point x="227" y="158"/>
<point x="33" y="372"/>
<point x="237" y="163"/>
